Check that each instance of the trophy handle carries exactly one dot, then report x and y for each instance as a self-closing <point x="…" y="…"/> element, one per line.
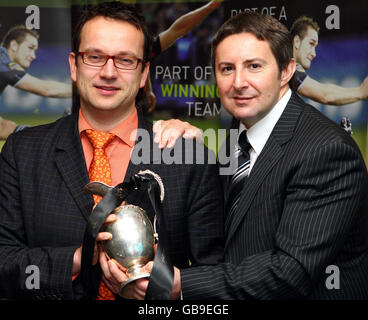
<point x="162" y="195"/>
<point x="96" y="187"/>
<point x="155" y="234"/>
<point x="158" y="179"/>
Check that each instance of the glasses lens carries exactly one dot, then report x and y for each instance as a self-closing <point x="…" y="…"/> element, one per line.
<point x="126" y="62"/>
<point x="99" y="60"/>
<point x="94" y="59"/>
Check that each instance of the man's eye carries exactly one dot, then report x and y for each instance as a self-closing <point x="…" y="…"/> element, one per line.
<point x="94" y="57"/>
<point x="226" y="69"/>
<point x="125" y="60"/>
<point x="254" y="66"/>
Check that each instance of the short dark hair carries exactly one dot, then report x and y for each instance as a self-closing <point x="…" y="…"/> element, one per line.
<point x="18" y="33"/>
<point x="265" y="28"/>
<point x="300" y="27"/>
<point x="118" y="11"/>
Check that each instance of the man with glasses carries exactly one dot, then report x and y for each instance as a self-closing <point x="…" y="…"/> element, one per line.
<point x="43" y="170"/>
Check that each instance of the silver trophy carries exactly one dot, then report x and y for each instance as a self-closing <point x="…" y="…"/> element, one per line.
<point x="133" y="235"/>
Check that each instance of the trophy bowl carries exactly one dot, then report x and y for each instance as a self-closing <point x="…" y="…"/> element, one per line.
<point x="132" y="243"/>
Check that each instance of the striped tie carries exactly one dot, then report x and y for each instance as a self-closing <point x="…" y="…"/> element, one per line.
<point x="236" y="182"/>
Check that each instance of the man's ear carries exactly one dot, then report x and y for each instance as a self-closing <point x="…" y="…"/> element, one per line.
<point x="73" y="66"/>
<point x="13" y="45"/>
<point x="288" y="72"/>
<point x="296" y="42"/>
<point x="145" y="73"/>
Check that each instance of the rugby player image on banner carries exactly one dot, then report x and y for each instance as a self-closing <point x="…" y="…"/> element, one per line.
<point x="178" y="29"/>
<point x="181" y="72"/>
<point x="331" y="50"/>
<point x="304" y="32"/>
<point x="32" y="66"/>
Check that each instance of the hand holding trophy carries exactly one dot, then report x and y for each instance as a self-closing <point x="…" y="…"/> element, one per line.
<point x="132" y="243"/>
<point x="133" y="235"/>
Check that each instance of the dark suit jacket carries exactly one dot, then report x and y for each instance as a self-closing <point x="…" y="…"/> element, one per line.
<point x="43" y="209"/>
<point x="303" y="208"/>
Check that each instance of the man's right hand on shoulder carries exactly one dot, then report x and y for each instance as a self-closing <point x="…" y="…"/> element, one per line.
<point x="168" y="131"/>
<point x="6" y="128"/>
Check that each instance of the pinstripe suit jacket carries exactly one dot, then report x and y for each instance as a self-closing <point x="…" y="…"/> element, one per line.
<point x="43" y="210"/>
<point x="302" y="209"/>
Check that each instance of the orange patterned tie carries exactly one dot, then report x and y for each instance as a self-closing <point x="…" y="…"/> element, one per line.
<point x="99" y="170"/>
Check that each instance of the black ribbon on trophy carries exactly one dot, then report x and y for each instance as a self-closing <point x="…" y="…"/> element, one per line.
<point x="125" y="248"/>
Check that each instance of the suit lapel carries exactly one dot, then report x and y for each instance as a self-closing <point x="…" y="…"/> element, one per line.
<point x="145" y="128"/>
<point x="265" y="162"/>
<point x="70" y="162"/>
<point x="269" y="157"/>
<point x="225" y="156"/>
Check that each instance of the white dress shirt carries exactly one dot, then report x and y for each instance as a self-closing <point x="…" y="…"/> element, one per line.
<point x="259" y="133"/>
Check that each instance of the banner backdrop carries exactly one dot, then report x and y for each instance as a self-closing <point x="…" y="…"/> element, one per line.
<point x="48" y="61"/>
<point x="181" y="73"/>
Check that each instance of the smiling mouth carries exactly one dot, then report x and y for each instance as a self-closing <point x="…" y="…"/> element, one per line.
<point x="106" y="90"/>
<point x="245" y="99"/>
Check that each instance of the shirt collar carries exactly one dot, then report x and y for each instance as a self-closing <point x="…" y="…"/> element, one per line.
<point x="123" y="130"/>
<point x="259" y="133"/>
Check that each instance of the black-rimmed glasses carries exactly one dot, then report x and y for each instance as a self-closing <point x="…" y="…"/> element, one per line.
<point x="125" y="62"/>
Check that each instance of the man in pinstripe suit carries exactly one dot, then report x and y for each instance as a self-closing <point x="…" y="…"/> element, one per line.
<point x="300" y="229"/>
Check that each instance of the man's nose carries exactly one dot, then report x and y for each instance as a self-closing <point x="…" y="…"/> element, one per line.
<point x="109" y="69"/>
<point x="313" y="53"/>
<point x="240" y="79"/>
